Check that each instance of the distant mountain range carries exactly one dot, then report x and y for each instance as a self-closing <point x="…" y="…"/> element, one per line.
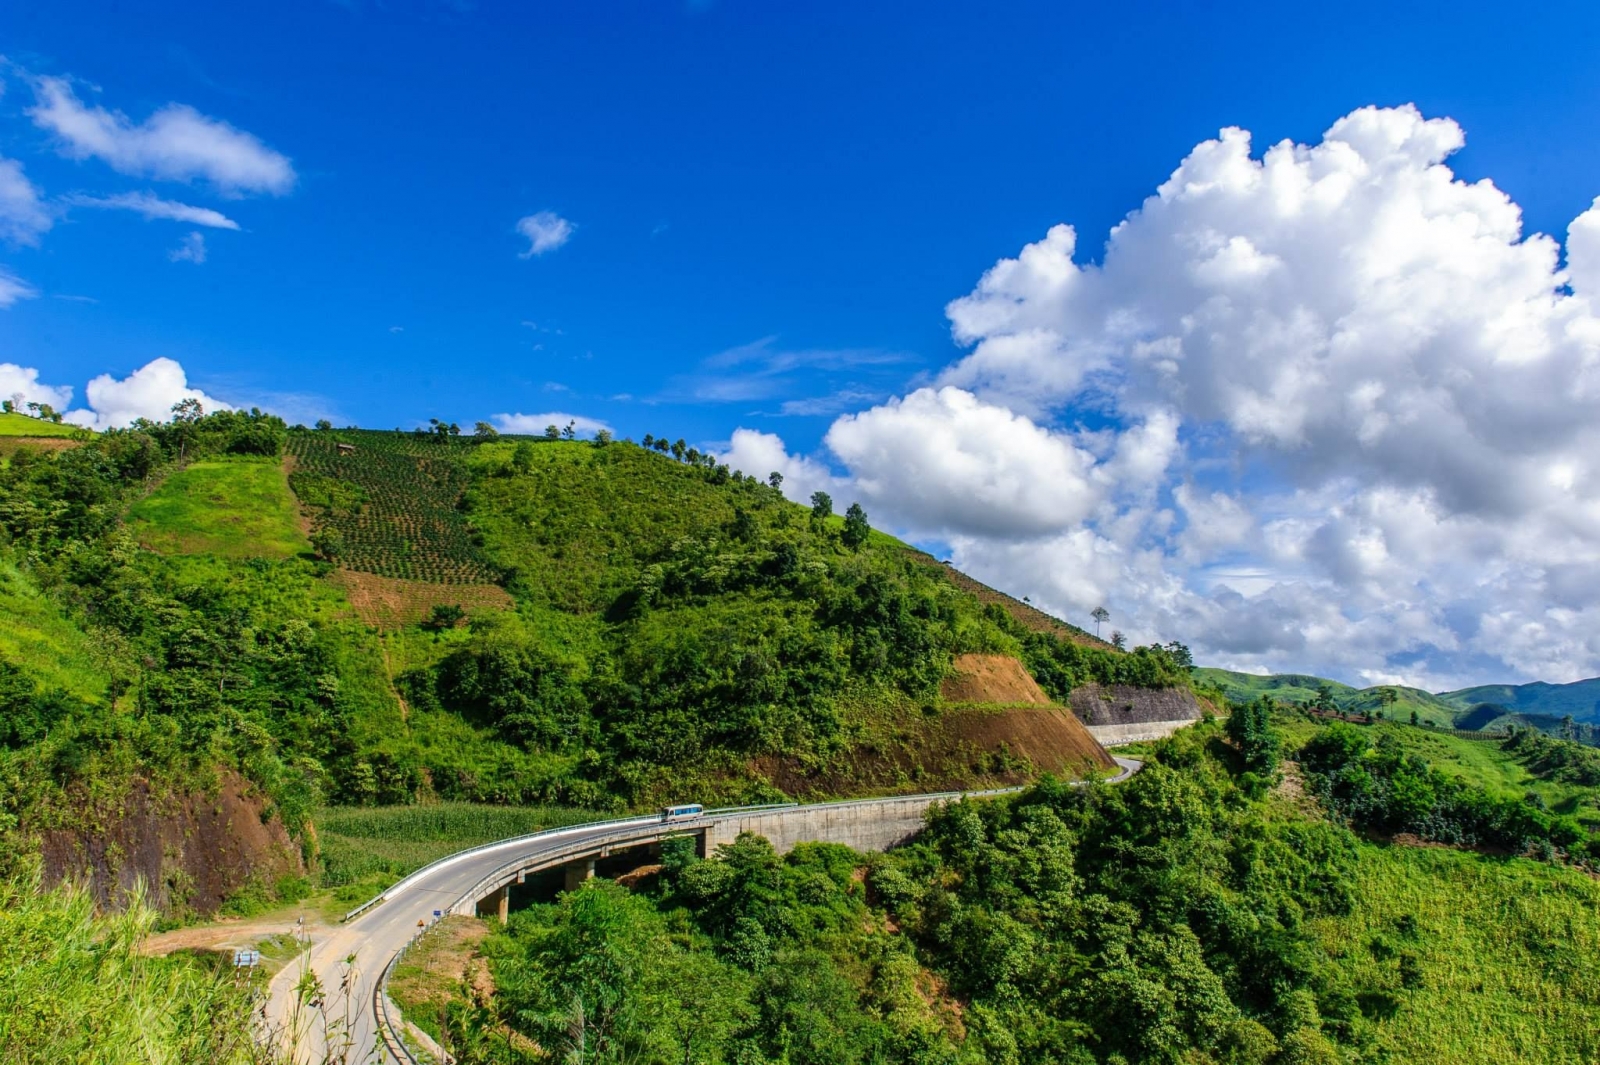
<point x="1542" y="705"/>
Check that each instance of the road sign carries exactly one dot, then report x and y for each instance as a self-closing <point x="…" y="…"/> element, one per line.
<point x="438" y="913"/>
<point x="246" y="959"/>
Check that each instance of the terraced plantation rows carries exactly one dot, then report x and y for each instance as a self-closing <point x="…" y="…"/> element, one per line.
<point x="393" y="498"/>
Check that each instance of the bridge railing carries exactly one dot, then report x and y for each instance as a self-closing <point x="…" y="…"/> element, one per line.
<point x="458" y="856"/>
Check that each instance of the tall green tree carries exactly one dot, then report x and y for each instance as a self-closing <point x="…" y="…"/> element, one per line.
<point x="856" y="529"/>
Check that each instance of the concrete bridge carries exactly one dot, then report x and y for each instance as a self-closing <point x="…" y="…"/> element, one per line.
<point x="352" y="963"/>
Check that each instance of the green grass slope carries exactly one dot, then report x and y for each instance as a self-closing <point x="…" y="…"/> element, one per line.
<point x="36" y="634"/>
<point x="235" y="508"/>
<point x="1464" y="959"/>
<point x="12" y="424"/>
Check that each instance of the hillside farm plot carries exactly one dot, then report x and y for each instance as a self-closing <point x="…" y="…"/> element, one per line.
<point x="234" y="508"/>
<point x="394" y="499"/>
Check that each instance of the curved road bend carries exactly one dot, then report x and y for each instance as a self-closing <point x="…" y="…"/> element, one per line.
<point x="375" y="935"/>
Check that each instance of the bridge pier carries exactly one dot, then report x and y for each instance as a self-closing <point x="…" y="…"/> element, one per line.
<point x="577" y="872"/>
<point x="497" y="902"/>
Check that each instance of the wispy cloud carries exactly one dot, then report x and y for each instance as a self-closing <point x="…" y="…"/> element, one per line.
<point x="192" y="250"/>
<point x="176" y="143"/>
<point x="765" y="356"/>
<point x="546" y="231"/>
<point x="763" y="370"/>
<point x="22" y="215"/>
<point x="834" y="403"/>
<point x="152" y="206"/>
<point x="13" y="288"/>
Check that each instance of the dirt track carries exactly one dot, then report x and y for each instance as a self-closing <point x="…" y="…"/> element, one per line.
<point x="234" y="933"/>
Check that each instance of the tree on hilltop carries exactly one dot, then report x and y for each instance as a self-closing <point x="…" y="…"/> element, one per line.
<point x="775" y="479"/>
<point x="570" y="431"/>
<point x="821" y="505"/>
<point x="485" y="431"/>
<point x="679" y="448"/>
<point x="1119" y="641"/>
<point x="1101" y="615"/>
<point x="551" y="432"/>
<point x="649" y="441"/>
<point x="856" y="528"/>
<point x="692" y="456"/>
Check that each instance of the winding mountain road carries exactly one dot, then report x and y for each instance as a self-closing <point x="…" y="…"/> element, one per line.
<point x="349" y="962"/>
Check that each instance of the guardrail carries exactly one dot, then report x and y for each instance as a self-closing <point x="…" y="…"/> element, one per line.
<point x="451" y="859"/>
<point x="390" y="1033"/>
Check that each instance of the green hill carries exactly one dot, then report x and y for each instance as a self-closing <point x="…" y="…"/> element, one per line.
<point x="360" y="617"/>
<point x="1304" y="689"/>
<point x="1492" y="706"/>
<point x="1580" y="699"/>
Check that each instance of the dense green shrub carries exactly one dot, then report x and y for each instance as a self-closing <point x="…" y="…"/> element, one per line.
<point x="1379" y="787"/>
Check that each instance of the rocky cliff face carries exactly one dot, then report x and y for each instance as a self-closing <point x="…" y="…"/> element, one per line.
<point x="1122" y="705"/>
<point x="191" y="849"/>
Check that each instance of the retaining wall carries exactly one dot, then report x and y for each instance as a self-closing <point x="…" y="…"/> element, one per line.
<point x="1116" y="735"/>
<point x="872" y="825"/>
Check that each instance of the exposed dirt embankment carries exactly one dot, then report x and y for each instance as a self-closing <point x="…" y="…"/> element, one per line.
<point x="192" y="850"/>
<point x="962" y="748"/>
<point x="1122" y="705"/>
<point x="996" y="679"/>
<point x="389" y="603"/>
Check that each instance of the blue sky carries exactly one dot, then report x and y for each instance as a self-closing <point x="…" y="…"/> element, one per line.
<point x="755" y="219"/>
<point x="826" y="175"/>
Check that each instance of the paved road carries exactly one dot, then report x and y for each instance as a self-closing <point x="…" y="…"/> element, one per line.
<point x="347" y="1025"/>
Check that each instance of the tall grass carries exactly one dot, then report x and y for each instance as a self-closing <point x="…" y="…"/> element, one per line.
<point x="74" y="988"/>
<point x="1474" y="959"/>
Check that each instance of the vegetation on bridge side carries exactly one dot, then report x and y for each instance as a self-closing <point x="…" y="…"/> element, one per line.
<point x="1190" y="915"/>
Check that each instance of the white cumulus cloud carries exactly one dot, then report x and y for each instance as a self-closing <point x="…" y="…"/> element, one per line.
<point x="22" y="386"/>
<point x="152" y="206"/>
<point x="149" y="392"/>
<point x="1322" y="408"/>
<point x="176" y="143"/>
<point x="761" y="454"/>
<point x="1376" y="439"/>
<point x="535" y="424"/>
<point x="942" y="460"/>
<point x="546" y="231"/>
